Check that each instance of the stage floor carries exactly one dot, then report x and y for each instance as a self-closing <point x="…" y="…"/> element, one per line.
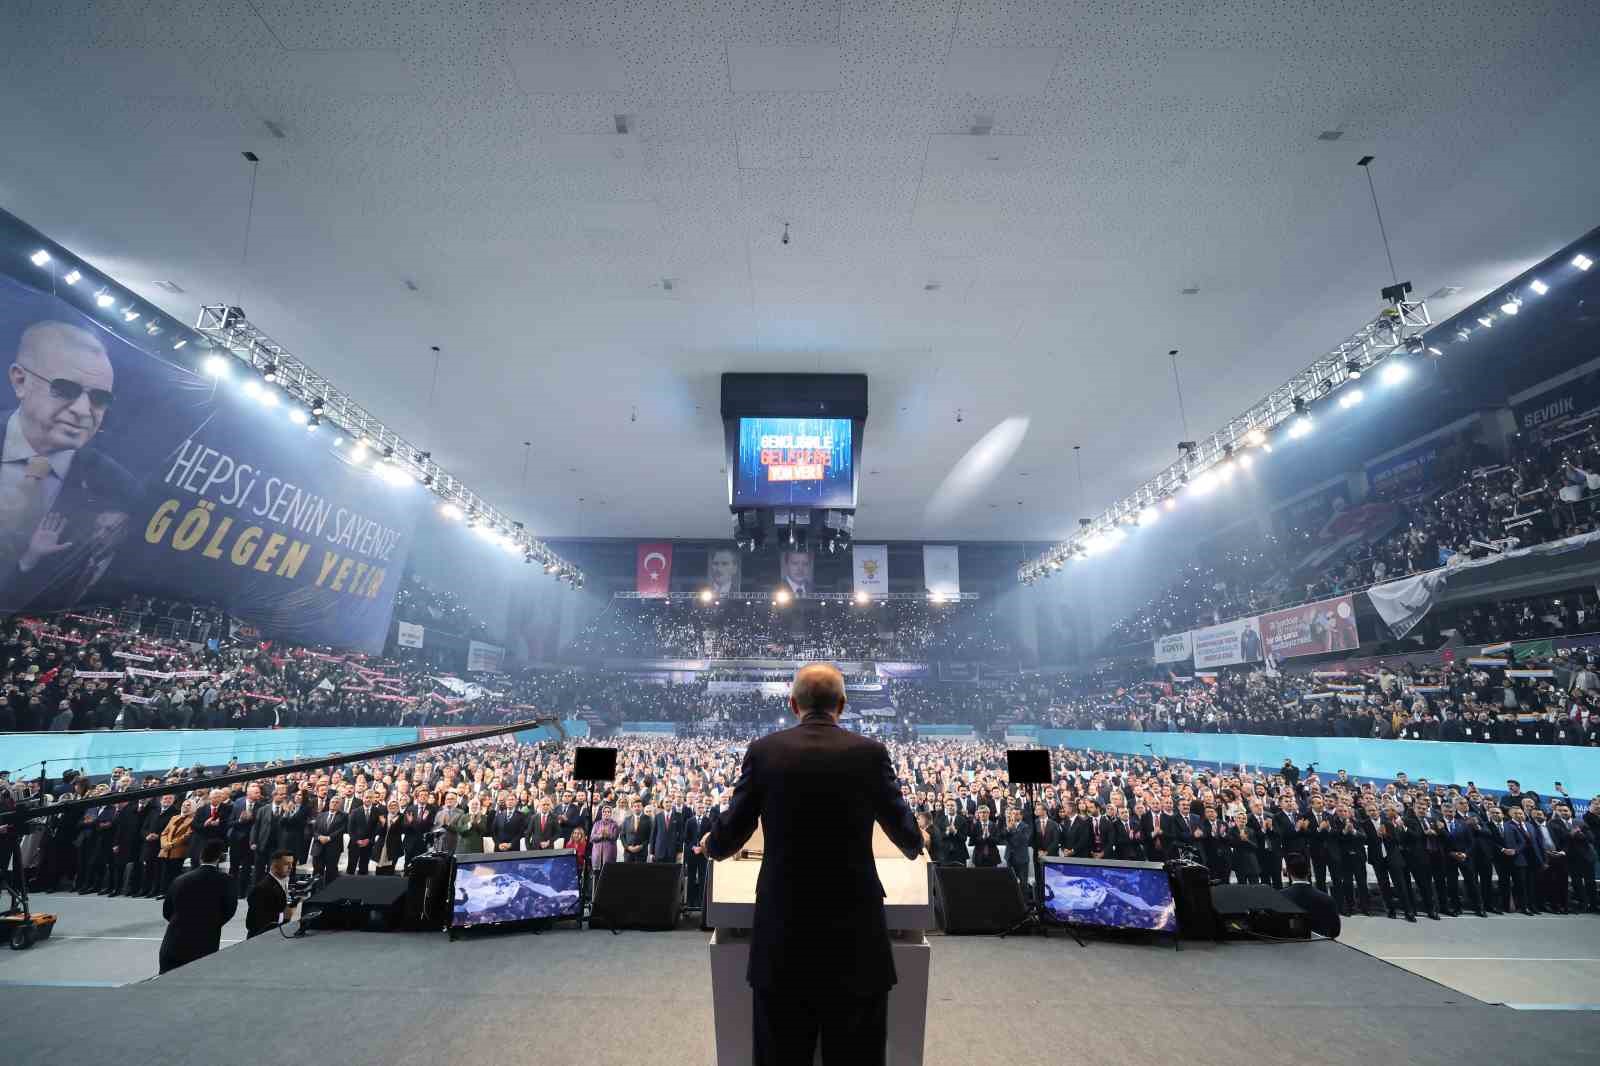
<point x="595" y="999"/>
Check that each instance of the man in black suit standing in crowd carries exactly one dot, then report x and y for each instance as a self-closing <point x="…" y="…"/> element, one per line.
<point x="508" y="825"/>
<point x="1322" y="912"/>
<point x="636" y="835"/>
<point x="211" y="822"/>
<point x="417" y="823"/>
<point x="358" y="825"/>
<point x="666" y="835"/>
<point x="241" y="839"/>
<point x="985" y="840"/>
<point x="697" y="825"/>
<point x="327" y="842"/>
<point x="546" y="828"/>
<point x="950" y="831"/>
<point x="1019" y="841"/>
<point x="197" y="906"/>
<point x="820" y="961"/>
<point x="1046" y="831"/>
<point x="1572" y="837"/>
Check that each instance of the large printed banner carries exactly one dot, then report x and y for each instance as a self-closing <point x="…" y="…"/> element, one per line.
<point x="723" y="567"/>
<point x="123" y="471"/>
<point x="484" y="658"/>
<point x="1229" y="644"/>
<point x="1408" y="470"/>
<point x="1173" y="648"/>
<point x="941" y="569"/>
<point x="872" y="568"/>
<point x="904" y="671"/>
<point x="654" y="568"/>
<point x="409" y="635"/>
<point x="1311" y="629"/>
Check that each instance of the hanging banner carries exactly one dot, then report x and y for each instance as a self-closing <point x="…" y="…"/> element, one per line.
<point x="941" y="569"/>
<point x="653" y="569"/>
<point x="144" y="474"/>
<point x="798" y="570"/>
<point x="904" y="671"/>
<point x="1311" y="628"/>
<point x="1173" y="648"/>
<point x="1229" y="644"/>
<point x="409" y="635"/>
<point x="872" y="568"/>
<point x="723" y="571"/>
<point x="483" y="657"/>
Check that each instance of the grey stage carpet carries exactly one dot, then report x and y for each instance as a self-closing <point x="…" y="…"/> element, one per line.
<point x="638" y="998"/>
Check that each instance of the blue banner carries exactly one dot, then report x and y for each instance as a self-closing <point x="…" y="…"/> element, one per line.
<point x="127" y="469"/>
<point x="1407" y="470"/>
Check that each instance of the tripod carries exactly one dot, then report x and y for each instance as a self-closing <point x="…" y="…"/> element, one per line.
<point x="1034" y="919"/>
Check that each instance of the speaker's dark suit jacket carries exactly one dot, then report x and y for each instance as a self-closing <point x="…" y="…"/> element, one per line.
<point x="817" y="790"/>
<point x="197" y="906"/>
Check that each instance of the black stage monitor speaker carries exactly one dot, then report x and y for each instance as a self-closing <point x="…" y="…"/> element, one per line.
<point x="637" y="895"/>
<point x="1245" y="911"/>
<point x="978" y="899"/>
<point x="1191" y="891"/>
<point x="360" y="902"/>
<point x="594" y="764"/>
<point x="1028" y="766"/>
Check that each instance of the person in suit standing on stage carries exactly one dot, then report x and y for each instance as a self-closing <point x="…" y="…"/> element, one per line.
<point x="417" y="823"/>
<point x="1122" y="838"/>
<point x="697" y="825"/>
<point x="1521" y="848"/>
<point x="1078" y="834"/>
<point x="985" y="840"/>
<point x="1046" y="831"/>
<point x="546" y="828"/>
<point x="508" y="825"/>
<point x="1461" y="855"/>
<point x="268" y="904"/>
<point x="1572" y="837"/>
<point x="241" y="839"/>
<point x="1392" y="840"/>
<point x="820" y="960"/>
<point x="1019" y="843"/>
<point x="1321" y="912"/>
<point x="197" y="906"/>
<point x="327" y="842"/>
<point x="360" y="830"/>
<point x="1243" y="842"/>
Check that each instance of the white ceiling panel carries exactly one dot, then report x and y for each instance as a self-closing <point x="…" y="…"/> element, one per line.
<point x="797" y="68"/>
<point x="547" y="69"/>
<point x="340" y="72"/>
<point x="983" y="71"/>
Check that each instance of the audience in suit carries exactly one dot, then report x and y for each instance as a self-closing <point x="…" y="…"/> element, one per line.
<point x="197" y="906"/>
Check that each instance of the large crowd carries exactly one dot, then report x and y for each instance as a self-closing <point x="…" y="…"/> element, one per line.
<point x="1429" y="848"/>
<point x="1472" y="507"/>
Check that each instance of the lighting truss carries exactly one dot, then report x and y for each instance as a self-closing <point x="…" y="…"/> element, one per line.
<point x="1401" y="320"/>
<point x="229" y="330"/>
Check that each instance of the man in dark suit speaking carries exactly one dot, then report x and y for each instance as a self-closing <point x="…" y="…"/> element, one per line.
<point x="820" y="963"/>
<point x="197" y="906"/>
<point x="64" y="505"/>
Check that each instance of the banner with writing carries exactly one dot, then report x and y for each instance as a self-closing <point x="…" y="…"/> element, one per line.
<point x="1238" y="641"/>
<point x="409" y="635"/>
<point x="1173" y="648"/>
<point x="142" y="473"/>
<point x="1311" y="629"/>
<point x="484" y="658"/>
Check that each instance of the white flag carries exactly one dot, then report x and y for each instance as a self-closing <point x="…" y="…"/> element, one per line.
<point x="872" y="568"/>
<point x="941" y="570"/>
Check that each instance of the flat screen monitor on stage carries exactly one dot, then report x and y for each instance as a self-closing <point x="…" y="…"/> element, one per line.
<point x="1110" y="894"/>
<point x="514" y="887"/>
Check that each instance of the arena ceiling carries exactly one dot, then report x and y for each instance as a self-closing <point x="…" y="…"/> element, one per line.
<point x="995" y="209"/>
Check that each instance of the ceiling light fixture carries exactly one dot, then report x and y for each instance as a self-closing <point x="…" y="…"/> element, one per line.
<point x="1582" y="262"/>
<point x="1539" y="288"/>
<point x="39" y="258"/>
<point x="72" y="277"/>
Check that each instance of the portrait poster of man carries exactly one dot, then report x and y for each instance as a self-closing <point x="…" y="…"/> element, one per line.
<point x="124" y="469"/>
<point x="723" y="571"/>
<point x="798" y="570"/>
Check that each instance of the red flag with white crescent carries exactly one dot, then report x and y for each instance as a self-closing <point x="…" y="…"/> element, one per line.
<point x="654" y="570"/>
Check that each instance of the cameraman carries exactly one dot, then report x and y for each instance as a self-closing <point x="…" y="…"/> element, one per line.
<point x="269" y="904"/>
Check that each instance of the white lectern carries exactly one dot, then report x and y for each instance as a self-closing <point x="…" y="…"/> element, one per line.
<point x="908" y="910"/>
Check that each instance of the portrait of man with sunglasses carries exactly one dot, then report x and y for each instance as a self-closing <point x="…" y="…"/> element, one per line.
<point x="64" y="505"/>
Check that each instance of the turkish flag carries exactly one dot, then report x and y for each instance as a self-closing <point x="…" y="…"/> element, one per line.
<point x="654" y="568"/>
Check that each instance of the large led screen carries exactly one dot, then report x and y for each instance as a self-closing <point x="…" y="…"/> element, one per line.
<point x="1112" y="896"/>
<point x="491" y="890"/>
<point x="803" y="462"/>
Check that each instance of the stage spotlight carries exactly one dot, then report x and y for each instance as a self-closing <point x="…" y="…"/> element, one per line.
<point x="312" y="424"/>
<point x="129" y="315"/>
<point x="72" y="277"/>
<point x="217" y="366"/>
<point x="1149" y="516"/>
<point x="705" y="596"/>
<point x="1246" y="461"/>
<point x="1350" y="397"/>
<point x="1255" y="438"/>
<point x="781" y="597"/>
<point x="549" y="568"/>
<point x="1487" y="321"/>
<point x="1170" y="503"/>
<point x="863" y="599"/>
<point x="252" y="389"/>
<point x="452" y="512"/>
<point x="358" y="454"/>
<point x="317" y="406"/>
<point x="1353" y="370"/>
<point x="1299" y="427"/>
<point x="1512" y="305"/>
<point x="1204" y="483"/>
<point x="268" y="397"/>
<point x="1539" y="288"/>
<point x="1582" y="262"/>
<point x="270" y="373"/>
<point x="395" y="474"/>
<point x="39" y="258"/>
<point x="179" y="345"/>
<point x="1395" y="372"/>
<point x="298" y="416"/>
<point x="104" y="298"/>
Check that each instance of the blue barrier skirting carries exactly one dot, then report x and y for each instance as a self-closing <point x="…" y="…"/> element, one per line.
<point x="1536" y="767"/>
<point x="158" y="750"/>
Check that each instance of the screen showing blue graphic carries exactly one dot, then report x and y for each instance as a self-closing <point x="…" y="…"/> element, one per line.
<point x="490" y="890"/>
<point x="1113" y="897"/>
<point x="802" y="461"/>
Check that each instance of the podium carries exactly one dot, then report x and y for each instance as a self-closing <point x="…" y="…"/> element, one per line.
<point x="908" y="910"/>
